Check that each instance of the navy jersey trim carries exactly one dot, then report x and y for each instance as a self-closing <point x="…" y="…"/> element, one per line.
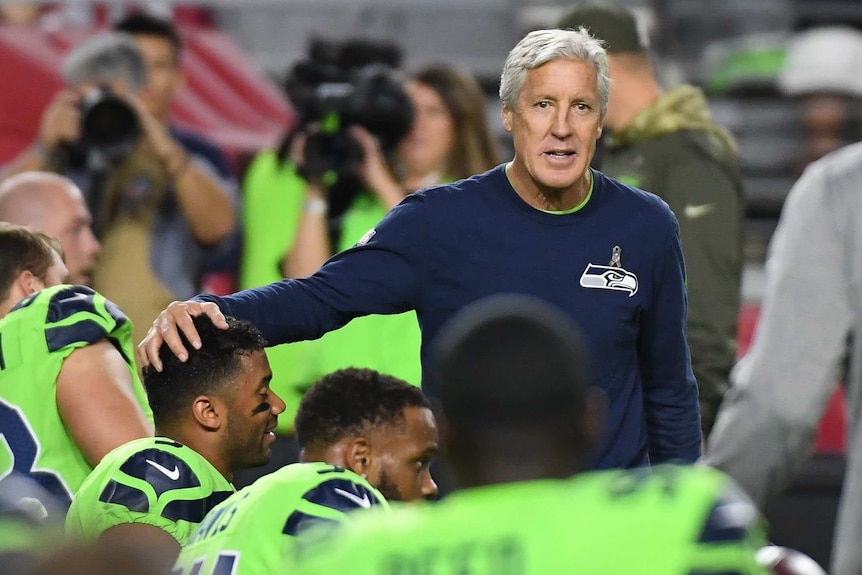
<point x="194" y="510"/>
<point x="164" y="471"/>
<point x="87" y="331"/>
<point x="729" y="520"/>
<point x="299" y="522"/>
<point x="2" y="359"/>
<point x="131" y="498"/>
<point x="69" y="301"/>
<point x="341" y="495"/>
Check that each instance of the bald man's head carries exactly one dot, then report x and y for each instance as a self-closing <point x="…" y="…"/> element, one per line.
<point x="55" y="206"/>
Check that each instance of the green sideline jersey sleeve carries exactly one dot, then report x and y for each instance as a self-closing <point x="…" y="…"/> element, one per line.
<point x="155" y="481"/>
<point x="255" y="531"/>
<point x="668" y="521"/>
<point x="35" y="338"/>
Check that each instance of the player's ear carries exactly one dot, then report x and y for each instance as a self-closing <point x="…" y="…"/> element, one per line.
<point x="209" y="412"/>
<point x="357" y="456"/>
<point x="29" y="283"/>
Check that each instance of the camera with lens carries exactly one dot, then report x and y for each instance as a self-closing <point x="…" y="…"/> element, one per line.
<point x="110" y="131"/>
<point x="341" y="85"/>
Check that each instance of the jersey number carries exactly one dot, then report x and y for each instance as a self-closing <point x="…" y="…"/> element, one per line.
<point x="24" y="446"/>
<point x="225" y="564"/>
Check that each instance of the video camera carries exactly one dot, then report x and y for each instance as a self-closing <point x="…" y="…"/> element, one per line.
<point x="340" y="85"/>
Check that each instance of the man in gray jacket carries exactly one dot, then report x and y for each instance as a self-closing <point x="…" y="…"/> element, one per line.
<point x="813" y="302"/>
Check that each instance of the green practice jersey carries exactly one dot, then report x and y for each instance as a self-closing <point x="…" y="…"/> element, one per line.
<point x="255" y="530"/>
<point x="670" y="520"/>
<point x="35" y="338"/>
<point x="155" y="481"/>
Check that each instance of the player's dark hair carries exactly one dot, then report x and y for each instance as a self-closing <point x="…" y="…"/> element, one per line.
<point x="146" y="25"/>
<point x="24" y="248"/>
<point x="208" y="370"/>
<point x="348" y="402"/>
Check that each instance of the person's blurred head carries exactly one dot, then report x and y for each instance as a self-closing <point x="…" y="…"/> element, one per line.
<point x="373" y="424"/>
<point x="511" y="374"/>
<point x="30" y="261"/>
<point x="629" y="64"/>
<point x="161" y="46"/>
<point x="218" y="402"/>
<point x="53" y="204"/>
<point x="111" y="60"/>
<point x="822" y="70"/>
<point x="450" y="133"/>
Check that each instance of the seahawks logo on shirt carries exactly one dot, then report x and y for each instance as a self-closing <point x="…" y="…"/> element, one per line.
<point x="611" y="277"/>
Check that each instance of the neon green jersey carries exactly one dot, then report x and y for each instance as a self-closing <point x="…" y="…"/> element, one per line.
<point x="671" y="520"/>
<point x="256" y="530"/>
<point x="35" y="338"/>
<point x="155" y="481"/>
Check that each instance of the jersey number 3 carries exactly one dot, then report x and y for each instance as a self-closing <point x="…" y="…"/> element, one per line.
<point x="24" y="446"/>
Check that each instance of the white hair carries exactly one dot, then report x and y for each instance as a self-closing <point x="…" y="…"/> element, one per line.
<point x="542" y="46"/>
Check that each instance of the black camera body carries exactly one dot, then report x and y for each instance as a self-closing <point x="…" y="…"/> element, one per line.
<point x="110" y="131"/>
<point x="341" y="85"/>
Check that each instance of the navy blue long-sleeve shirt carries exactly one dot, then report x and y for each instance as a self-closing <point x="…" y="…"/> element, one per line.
<point x="615" y="265"/>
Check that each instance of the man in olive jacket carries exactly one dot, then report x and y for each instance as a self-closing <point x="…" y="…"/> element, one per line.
<point x="665" y="142"/>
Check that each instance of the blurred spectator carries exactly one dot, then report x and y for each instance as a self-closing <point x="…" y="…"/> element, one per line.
<point x="54" y="205"/>
<point x="67" y="374"/>
<point x="367" y="438"/>
<point x="214" y="414"/>
<point x="665" y="142"/>
<point x="157" y="202"/>
<point x="514" y="452"/>
<point x="767" y="425"/>
<point x="823" y="68"/>
<point x="288" y="222"/>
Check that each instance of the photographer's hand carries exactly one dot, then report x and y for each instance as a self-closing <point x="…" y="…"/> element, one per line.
<point x="307" y="251"/>
<point x="61" y="121"/>
<point x="375" y="170"/>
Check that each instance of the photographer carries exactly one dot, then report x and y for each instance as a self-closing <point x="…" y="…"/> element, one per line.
<point x="157" y="205"/>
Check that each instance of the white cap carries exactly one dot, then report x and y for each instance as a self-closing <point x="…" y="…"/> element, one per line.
<point x="827" y="59"/>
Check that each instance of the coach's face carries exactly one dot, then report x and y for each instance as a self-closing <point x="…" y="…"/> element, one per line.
<point x="555" y="124"/>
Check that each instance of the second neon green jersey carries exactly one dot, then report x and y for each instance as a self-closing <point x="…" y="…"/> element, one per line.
<point x="153" y="481"/>
<point x="256" y="530"/>
<point x="670" y="520"/>
<point x="36" y="337"/>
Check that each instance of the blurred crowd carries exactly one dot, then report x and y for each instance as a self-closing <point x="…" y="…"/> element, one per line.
<point x="156" y="421"/>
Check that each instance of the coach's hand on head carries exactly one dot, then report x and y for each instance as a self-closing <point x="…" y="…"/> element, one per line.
<point x="176" y="318"/>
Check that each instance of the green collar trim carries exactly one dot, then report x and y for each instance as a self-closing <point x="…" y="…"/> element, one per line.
<point x="579" y="206"/>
